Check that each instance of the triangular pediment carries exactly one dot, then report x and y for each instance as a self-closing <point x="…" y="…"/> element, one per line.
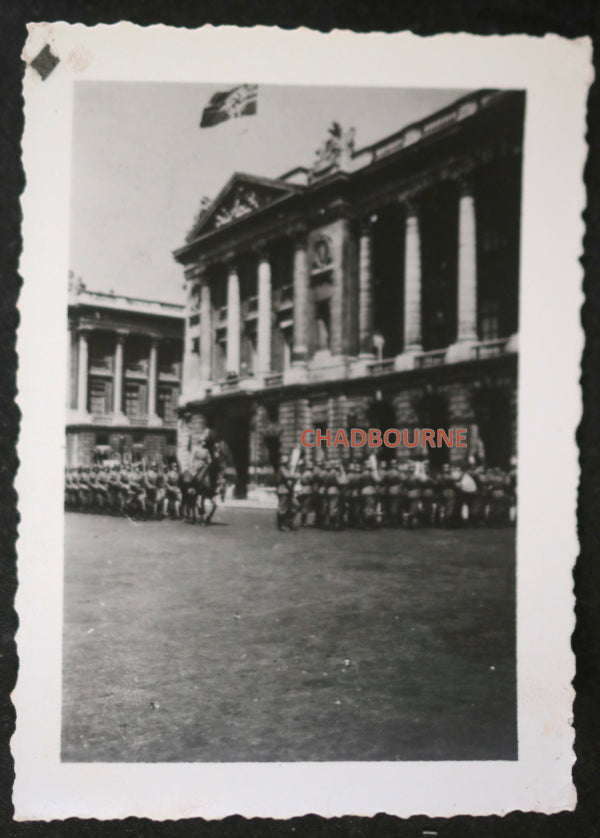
<point x="241" y="196"/>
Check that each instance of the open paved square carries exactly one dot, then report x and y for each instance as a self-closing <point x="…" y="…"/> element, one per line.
<point x="236" y="642"/>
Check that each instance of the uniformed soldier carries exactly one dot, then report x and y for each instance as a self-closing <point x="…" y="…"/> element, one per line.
<point x="383" y="495"/>
<point x="152" y="489"/>
<point x="305" y="494"/>
<point x="428" y="499"/>
<point x="352" y="497"/>
<point x="68" y="489"/>
<point x="499" y="498"/>
<point x="102" y="488"/>
<point x="395" y="491"/>
<point x="512" y="492"/>
<point x="113" y="489"/>
<point x="85" y="493"/>
<point x="414" y="515"/>
<point x="317" y="495"/>
<point x="123" y="488"/>
<point x="136" y="500"/>
<point x="285" y="500"/>
<point x="172" y="498"/>
<point x="335" y="496"/>
<point x="369" y="498"/>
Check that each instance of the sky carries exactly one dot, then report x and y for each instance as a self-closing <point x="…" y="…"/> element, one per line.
<point x="141" y="164"/>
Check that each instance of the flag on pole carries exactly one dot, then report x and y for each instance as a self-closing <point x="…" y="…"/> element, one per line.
<point x="239" y="101"/>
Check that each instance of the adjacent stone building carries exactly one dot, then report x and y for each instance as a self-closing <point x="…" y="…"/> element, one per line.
<point x="377" y="288"/>
<point x="124" y="377"/>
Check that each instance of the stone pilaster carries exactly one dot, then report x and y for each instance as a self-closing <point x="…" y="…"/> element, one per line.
<point x="82" y="371"/>
<point x="412" y="288"/>
<point x="264" y="314"/>
<point x="339" y="302"/>
<point x="412" y="281"/>
<point x="365" y="292"/>
<point x="467" y="266"/>
<point x="300" y="348"/>
<point x="153" y="418"/>
<point x="206" y="333"/>
<point x="467" y="276"/>
<point x="118" y="415"/>
<point x="233" y="320"/>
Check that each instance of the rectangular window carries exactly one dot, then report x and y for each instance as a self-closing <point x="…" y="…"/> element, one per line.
<point x="287" y="348"/>
<point x="166" y="403"/>
<point x="133" y="406"/>
<point x="490" y="320"/>
<point x="98" y="398"/>
<point x="323" y="318"/>
<point x="196" y="346"/>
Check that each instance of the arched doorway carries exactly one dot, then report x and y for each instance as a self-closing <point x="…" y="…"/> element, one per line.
<point x="234" y="429"/>
<point x="494" y="417"/>
<point x="381" y="415"/>
<point x="432" y="410"/>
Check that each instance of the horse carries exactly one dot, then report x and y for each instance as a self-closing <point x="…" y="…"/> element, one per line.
<point x="206" y="481"/>
<point x="188" y="496"/>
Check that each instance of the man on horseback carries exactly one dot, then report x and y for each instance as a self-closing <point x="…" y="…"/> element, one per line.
<point x="206" y="468"/>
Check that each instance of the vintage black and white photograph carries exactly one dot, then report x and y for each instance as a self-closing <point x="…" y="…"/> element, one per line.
<point x="232" y="594"/>
<point x="291" y="492"/>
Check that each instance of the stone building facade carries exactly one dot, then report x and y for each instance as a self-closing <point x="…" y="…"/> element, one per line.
<point x="377" y="288"/>
<point x="124" y="377"/>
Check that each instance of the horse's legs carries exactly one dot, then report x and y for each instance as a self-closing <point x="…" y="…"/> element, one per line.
<point x="199" y="508"/>
<point x="213" y="506"/>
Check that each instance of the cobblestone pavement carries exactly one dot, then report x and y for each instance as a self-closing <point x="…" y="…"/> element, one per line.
<point x="239" y="643"/>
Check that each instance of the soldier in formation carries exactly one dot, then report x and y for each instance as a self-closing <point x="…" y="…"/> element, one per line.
<point x="365" y="495"/>
<point x="147" y="490"/>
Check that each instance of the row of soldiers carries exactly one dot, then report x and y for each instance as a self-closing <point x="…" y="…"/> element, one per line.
<point x="371" y="495"/>
<point x="147" y="490"/>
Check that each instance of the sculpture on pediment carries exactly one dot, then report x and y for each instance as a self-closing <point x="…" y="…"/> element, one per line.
<point x="244" y="202"/>
<point x="204" y="207"/>
<point x="76" y="284"/>
<point x="335" y="151"/>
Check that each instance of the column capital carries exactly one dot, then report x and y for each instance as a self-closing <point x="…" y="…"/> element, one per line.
<point x="261" y="249"/>
<point x="412" y="204"/>
<point x="464" y="178"/>
<point x="194" y="272"/>
<point x="230" y="260"/>
<point x="298" y="234"/>
<point x="154" y="341"/>
<point x="84" y="330"/>
<point x="366" y="222"/>
<point x="121" y="334"/>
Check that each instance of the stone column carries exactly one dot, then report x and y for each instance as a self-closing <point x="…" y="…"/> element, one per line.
<point x="153" y="419"/>
<point x="365" y="292"/>
<point x="264" y="315"/>
<point x="339" y="304"/>
<point x="467" y="266"/>
<point x="233" y="320"/>
<point x="82" y="371"/>
<point x="205" y="333"/>
<point x="118" y="415"/>
<point x="412" y="281"/>
<point x="300" y="349"/>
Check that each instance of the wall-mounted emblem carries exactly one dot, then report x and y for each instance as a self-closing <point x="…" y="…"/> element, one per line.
<point x="322" y="258"/>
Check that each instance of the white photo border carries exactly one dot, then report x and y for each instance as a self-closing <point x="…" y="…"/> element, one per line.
<point x="556" y="74"/>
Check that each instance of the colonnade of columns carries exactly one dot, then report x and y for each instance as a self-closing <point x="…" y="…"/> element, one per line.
<point x="264" y="312"/>
<point x="466" y="303"/>
<point x="467" y="279"/>
<point x="83" y="372"/>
